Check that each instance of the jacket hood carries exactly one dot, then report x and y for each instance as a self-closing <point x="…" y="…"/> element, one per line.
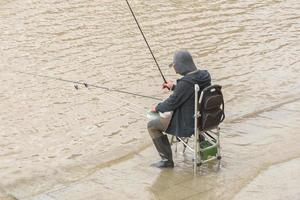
<point x="183" y="62"/>
<point x="200" y="77"/>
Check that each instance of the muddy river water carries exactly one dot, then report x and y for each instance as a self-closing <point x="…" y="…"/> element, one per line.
<point x="60" y="143"/>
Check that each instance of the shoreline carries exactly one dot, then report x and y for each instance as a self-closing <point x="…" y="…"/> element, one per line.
<point x="264" y="185"/>
<point x="132" y="173"/>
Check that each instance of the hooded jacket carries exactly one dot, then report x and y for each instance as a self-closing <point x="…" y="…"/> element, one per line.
<point x="182" y="100"/>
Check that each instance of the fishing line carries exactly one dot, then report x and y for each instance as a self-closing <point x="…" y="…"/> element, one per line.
<point x="124" y="107"/>
<point x="127" y="102"/>
<point x="146" y="41"/>
<point x="89" y="85"/>
<point x="129" y="109"/>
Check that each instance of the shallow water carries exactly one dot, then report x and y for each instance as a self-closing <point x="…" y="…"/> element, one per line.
<point x="51" y="133"/>
<point x="286" y="185"/>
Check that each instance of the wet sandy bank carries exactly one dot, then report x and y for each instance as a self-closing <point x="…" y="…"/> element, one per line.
<point x="241" y="167"/>
<point x="281" y="181"/>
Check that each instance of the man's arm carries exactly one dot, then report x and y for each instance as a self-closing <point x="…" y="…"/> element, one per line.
<point x="169" y="84"/>
<point x="180" y="94"/>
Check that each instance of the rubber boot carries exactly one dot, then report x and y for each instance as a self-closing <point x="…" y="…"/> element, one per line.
<point x="163" y="147"/>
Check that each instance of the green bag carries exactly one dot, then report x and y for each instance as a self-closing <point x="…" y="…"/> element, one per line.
<point x="207" y="153"/>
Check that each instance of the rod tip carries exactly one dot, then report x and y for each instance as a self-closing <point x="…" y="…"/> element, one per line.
<point x="76" y="87"/>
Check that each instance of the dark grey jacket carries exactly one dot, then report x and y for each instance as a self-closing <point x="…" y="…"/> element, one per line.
<point x="182" y="103"/>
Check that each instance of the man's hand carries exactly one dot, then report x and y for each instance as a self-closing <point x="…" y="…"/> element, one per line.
<point x="168" y="84"/>
<point x="153" y="109"/>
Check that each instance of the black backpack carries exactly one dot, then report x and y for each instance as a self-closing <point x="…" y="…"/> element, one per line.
<point x="211" y="108"/>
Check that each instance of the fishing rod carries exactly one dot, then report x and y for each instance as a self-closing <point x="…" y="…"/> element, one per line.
<point x="89" y="85"/>
<point x="146" y="41"/>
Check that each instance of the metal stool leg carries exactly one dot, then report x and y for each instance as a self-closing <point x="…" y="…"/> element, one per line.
<point x="196" y="132"/>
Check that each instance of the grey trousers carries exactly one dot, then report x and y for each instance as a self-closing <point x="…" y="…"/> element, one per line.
<point x="157" y="126"/>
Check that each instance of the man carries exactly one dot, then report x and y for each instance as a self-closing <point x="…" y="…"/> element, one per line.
<point x="180" y="103"/>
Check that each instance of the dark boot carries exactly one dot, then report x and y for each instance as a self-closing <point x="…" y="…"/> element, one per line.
<point x="163" y="147"/>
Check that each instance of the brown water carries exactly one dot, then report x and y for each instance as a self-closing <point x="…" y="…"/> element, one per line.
<point x="52" y="134"/>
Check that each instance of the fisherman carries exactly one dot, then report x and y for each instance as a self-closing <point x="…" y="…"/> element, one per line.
<point x="180" y="106"/>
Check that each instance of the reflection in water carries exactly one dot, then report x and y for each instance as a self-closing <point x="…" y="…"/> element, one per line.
<point x="51" y="134"/>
